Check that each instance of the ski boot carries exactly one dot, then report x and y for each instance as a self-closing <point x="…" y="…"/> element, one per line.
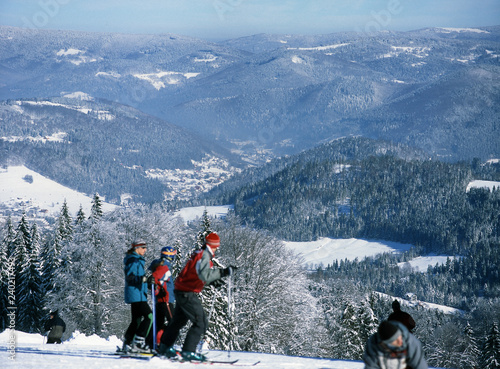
<point x="168" y="352"/>
<point x="193" y="356"/>
<point x="139" y="345"/>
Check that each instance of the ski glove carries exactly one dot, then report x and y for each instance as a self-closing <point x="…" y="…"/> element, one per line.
<point x="228" y="271"/>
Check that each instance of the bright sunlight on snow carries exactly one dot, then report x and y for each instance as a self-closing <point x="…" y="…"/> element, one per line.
<point x="81" y="352"/>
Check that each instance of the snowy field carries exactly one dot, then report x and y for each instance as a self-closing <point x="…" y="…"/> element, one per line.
<point x="195" y="213"/>
<point x="421" y="263"/>
<point x="417" y="303"/>
<point x="25" y="189"/>
<point x="81" y="352"/>
<point x="325" y="250"/>
<point x="491" y="185"/>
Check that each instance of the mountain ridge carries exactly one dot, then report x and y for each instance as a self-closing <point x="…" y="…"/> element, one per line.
<point x="271" y="91"/>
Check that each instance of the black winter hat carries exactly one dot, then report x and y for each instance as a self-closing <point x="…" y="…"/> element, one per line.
<point x="396" y="306"/>
<point x="388" y="332"/>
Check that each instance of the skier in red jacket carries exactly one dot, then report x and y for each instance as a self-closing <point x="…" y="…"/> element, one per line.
<point x="198" y="272"/>
<point x="164" y="289"/>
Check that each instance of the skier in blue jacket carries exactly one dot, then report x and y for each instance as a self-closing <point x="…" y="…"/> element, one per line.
<point x="136" y="289"/>
<point x="393" y="346"/>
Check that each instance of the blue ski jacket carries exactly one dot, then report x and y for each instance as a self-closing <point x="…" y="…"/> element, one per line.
<point x="136" y="288"/>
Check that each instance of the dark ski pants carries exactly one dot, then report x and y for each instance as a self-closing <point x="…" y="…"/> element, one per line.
<point x="164" y="310"/>
<point x="187" y="308"/>
<point x="142" y="320"/>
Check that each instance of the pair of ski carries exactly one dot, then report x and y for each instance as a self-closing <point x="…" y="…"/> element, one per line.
<point x="148" y="356"/>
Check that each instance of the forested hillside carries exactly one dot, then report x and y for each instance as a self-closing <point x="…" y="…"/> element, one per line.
<point x="369" y="191"/>
<point x="373" y="191"/>
<point x="93" y="145"/>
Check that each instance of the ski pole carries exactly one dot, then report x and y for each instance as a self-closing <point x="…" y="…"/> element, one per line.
<point x="154" y="314"/>
<point x="229" y="286"/>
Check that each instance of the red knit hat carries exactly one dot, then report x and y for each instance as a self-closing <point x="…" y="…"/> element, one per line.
<point x="213" y="240"/>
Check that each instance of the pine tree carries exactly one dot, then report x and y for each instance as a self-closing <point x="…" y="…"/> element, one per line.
<point x="178" y="261"/>
<point x="8" y="239"/>
<point x="351" y="331"/>
<point x="31" y="301"/>
<point x="96" y="209"/>
<point x="215" y="303"/>
<point x="469" y="351"/>
<point x="5" y="270"/>
<point x="64" y="223"/>
<point x="368" y="320"/>
<point x="490" y="353"/>
<point x="214" y="298"/>
<point x="52" y="258"/>
<point x="80" y="217"/>
<point x="92" y="270"/>
<point x="206" y="228"/>
<point x="22" y="245"/>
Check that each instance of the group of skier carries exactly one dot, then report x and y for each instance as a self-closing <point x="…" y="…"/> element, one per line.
<point x="177" y="302"/>
<point x="392" y="346"/>
<point x="198" y="272"/>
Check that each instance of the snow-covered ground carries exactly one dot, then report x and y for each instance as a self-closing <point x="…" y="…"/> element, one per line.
<point x="491" y="185"/>
<point x="417" y="303"/>
<point x="192" y="214"/>
<point x="421" y="263"/>
<point x="82" y="352"/>
<point x="326" y="250"/>
<point x="25" y="190"/>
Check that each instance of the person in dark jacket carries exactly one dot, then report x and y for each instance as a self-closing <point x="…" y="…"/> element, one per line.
<point x="164" y="288"/>
<point x="136" y="289"/>
<point x="401" y="316"/>
<point x="55" y="326"/>
<point x="393" y="346"/>
<point x="198" y="272"/>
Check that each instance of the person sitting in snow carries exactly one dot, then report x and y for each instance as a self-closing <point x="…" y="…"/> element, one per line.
<point x="393" y="346"/>
<point x="401" y="316"/>
<point x="55" y="327"/>
<point x="164" y="288"/>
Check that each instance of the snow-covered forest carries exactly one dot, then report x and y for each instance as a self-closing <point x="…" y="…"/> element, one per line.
<point x="276" y="306"/>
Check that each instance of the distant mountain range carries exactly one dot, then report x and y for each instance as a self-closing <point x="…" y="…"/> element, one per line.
<point x="161" y="101"/>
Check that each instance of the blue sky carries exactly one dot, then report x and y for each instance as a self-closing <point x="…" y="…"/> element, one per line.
<point x="223" y="19"/>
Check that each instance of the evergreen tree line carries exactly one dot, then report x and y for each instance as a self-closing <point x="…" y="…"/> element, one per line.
<point x="422" y="202"/>
<point x="459" y="283"/>
<point x="275" y="306"/>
